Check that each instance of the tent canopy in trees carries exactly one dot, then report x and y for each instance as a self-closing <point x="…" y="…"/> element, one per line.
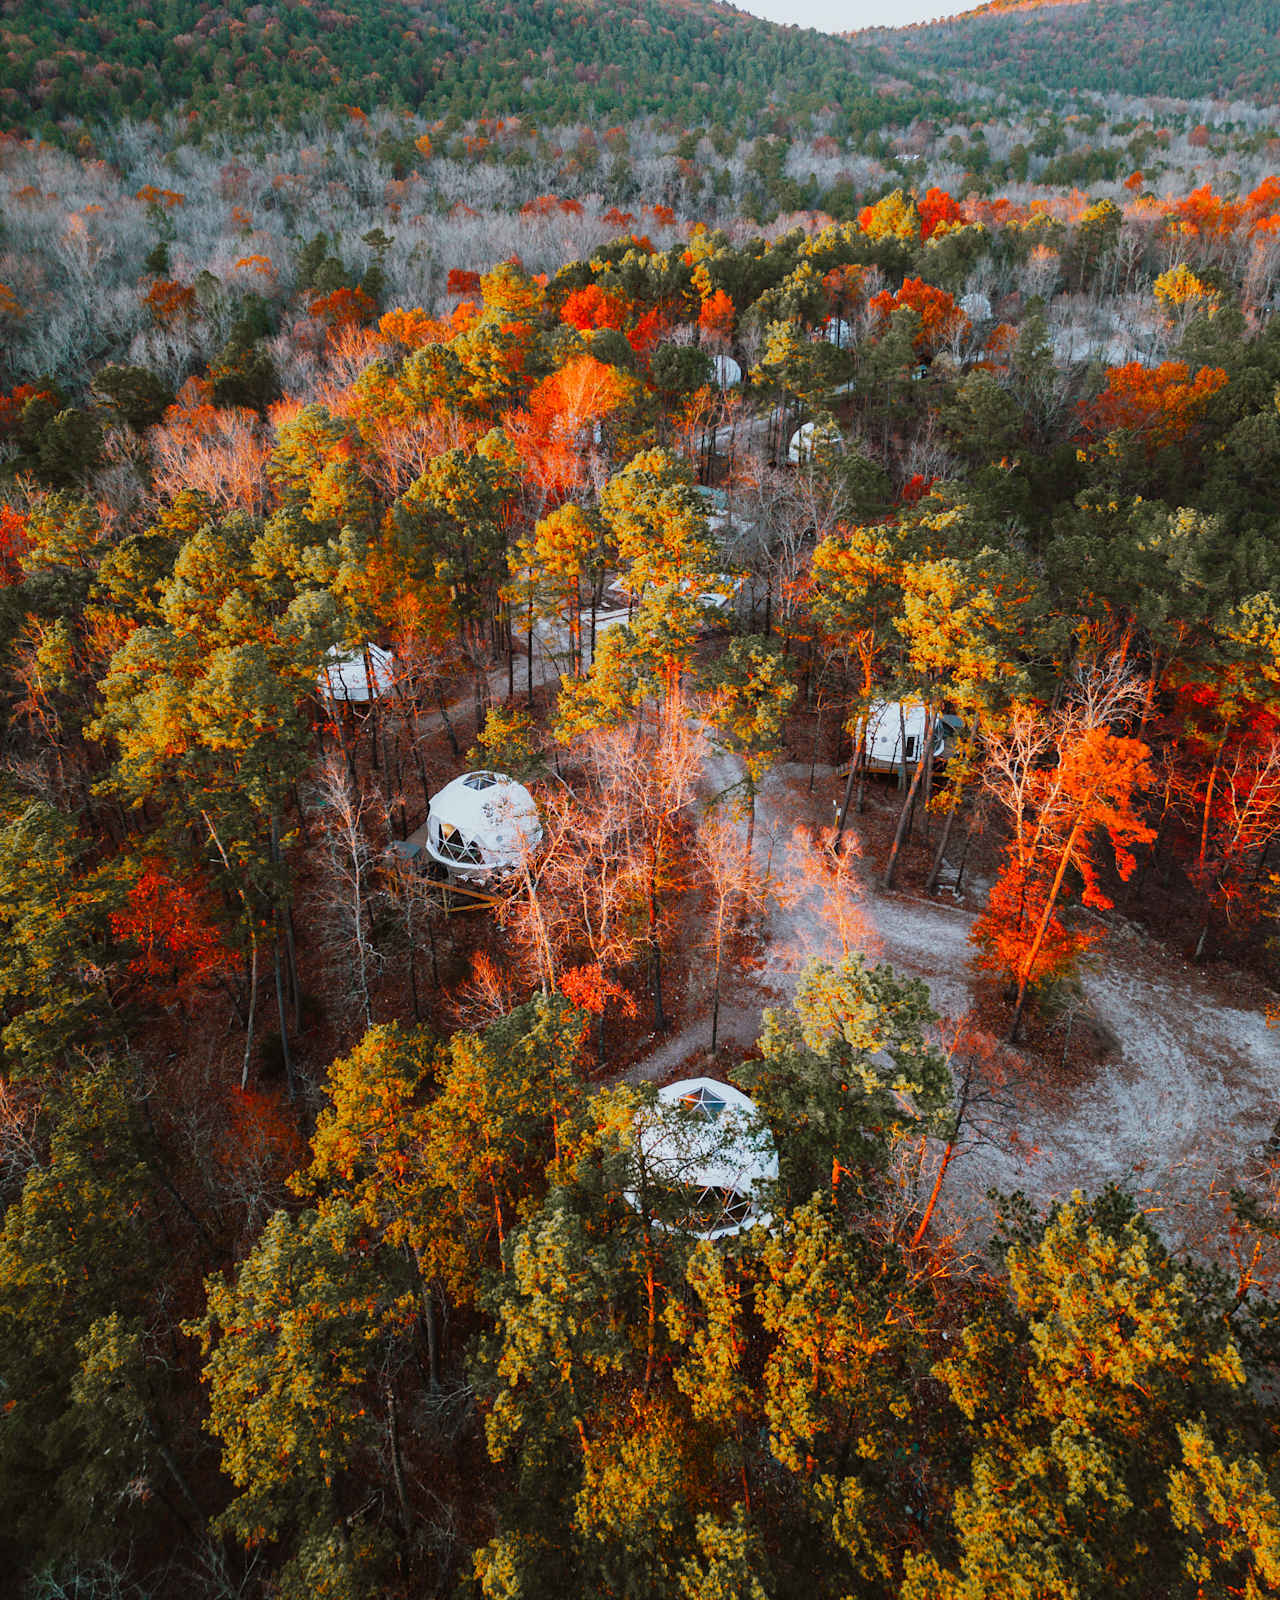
<point x="356" y="676"/>
<point x="812" y="439"/>
<point x="706" y="1161"/>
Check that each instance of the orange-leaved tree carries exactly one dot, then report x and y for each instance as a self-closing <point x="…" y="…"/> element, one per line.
<point x="1068" y="785"/>
<point x="593" y="307"/>
<point x="717" y="315"/>
<point x="169" y="301"/>
<point x="1160" y="405"/>
<point x="175" y="945"/>
<point x="562" y="434"/>
<point x="13" y="541"/>
<point x="1225" y="784"/>
<point x="941" y="319"/>
<point x="344" y="308"/>
<point x="938" y="212"/>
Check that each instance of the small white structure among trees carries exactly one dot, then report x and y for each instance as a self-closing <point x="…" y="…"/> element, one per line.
<point x="812" y="438"/>
<point x="356" y="676"/>
<point x="706" y="1160"/>
<point x="480" y="826"/>
<point x="895" y="729"/>
<point x="836" y="331"/>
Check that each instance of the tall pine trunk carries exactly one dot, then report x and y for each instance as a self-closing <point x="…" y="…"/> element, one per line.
<point x="904" y="816"/>
<point x="253" y="1005"/>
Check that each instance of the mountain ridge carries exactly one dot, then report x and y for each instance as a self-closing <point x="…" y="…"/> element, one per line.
<point x="692" y="62"/>
<point x="1183" y="49"/>
<point x="540" y="57"/>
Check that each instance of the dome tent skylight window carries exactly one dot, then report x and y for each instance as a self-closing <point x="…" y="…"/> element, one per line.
<point x="705" y="1101"/>
<point x="706" y="1159"/>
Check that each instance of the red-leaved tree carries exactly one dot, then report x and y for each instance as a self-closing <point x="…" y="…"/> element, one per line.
<point x="1069" y="786"/>
<point x="176" y="945"/>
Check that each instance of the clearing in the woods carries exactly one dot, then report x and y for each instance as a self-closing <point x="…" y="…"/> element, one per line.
<point x="1165" y="1080"/>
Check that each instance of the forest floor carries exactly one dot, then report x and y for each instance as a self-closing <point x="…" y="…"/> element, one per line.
<point x="1163" y="1077"/>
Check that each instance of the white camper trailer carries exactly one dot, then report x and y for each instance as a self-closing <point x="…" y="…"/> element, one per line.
<point x="356" y="676"/>
<point x="890" y="721"/>
<point x="705" y="1143"/>
<point x="478" y="828"/>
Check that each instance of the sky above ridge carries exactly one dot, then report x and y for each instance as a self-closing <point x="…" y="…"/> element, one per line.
<point x="846" y="16"/>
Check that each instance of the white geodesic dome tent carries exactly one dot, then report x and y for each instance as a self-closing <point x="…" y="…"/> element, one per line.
<point x="706" y="1142"/>
<point x="809" y="438"/>
<point x="727" y="371"/>
<point x="481" y="825"/>
<point x="345" y="674"/>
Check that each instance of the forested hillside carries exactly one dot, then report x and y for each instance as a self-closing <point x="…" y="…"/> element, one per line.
<point x="1186" y="49"/>
<point x="267" y="62"/>
<point x="699" y="63"/>
<point x="639" y="803"/>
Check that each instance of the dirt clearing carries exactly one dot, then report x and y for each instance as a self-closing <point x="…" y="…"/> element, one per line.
<point x="1171" y="1081"/>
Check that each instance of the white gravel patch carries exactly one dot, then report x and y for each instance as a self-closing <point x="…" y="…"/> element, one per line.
<point x="1185" y="1100"/>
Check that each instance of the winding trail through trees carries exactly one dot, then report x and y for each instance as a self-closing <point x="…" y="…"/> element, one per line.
<point x="1186" y="1084"/>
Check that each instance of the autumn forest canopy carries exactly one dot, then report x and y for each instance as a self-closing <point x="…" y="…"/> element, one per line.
<point x="839" y="493"/>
